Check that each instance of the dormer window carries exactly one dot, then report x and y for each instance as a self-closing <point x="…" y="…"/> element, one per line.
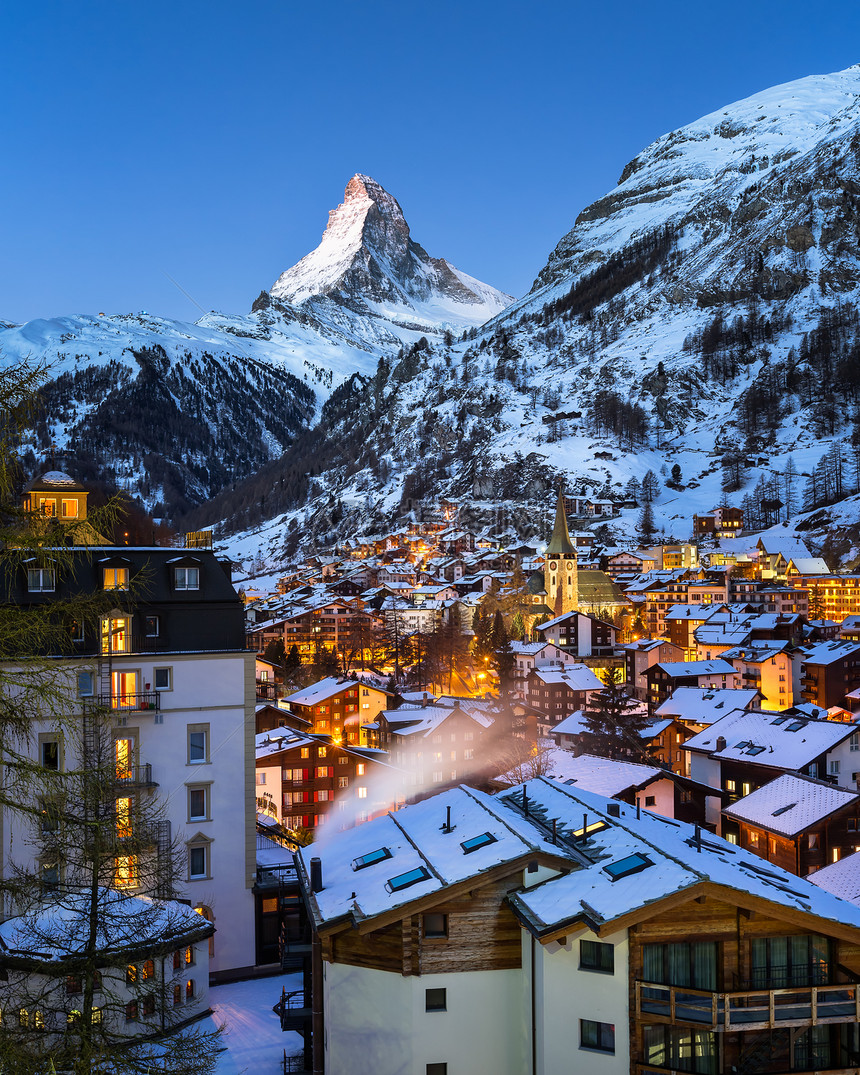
<point x="41" y="579"/>
<point x="186" y="578"/>
<point x="116" y="578"/>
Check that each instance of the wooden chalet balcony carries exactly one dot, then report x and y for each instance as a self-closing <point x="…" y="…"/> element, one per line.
<point x="125" y="703"/>
<point x="754" y="1009"/>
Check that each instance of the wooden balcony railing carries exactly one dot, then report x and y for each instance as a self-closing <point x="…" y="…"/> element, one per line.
<point x="757" y="1009"/>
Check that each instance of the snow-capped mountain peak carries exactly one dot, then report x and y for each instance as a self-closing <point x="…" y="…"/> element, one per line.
<point x="368" y="262"/>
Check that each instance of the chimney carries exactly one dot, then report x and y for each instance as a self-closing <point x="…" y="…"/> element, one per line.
<point x="614" y="810"/>
<point x="424" y="700"/>
<point x="721" y="744"/>
<point x="316" y="875"/>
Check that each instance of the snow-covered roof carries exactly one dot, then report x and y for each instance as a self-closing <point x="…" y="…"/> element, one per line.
<point x="578" y="677"/>
<point x="694" y="612"/>
<point x="790" y="804"/>
<point x="625" y="863"/>
<point x="841" y="878"/>
<point x="779" y="740"/>
<point x="810" y="565"/>
<point x="828" y="652"/>
<point x="319" y="692"/>
<point x="704" y="705"/>
<point x="605" y="776"/>
<point x="59" y="927"/>
<point x="677" y="669"/>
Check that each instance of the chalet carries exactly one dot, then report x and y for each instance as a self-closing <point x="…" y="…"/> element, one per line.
<point x="304" y="781"/>
<point x="746" y="749"/>
<point x="650" y="787"/>
<point x="700" y="707"/>
<point x="683" y="620"/>
<point x="721" y="522"/>
<point x="433" y="744"/>
<point x="531" y="655"/>
<point x="580" y="634"/>
<point x="665" y="676"/>
<point x="771" y="667"/>
<point x="797" y="823"/>
<point x="640" y="655"/>
<point x="830" y="671"/>
<point x="339" y="707"/>
<point x="558" y="693"/>
<point x="548" y="929"/>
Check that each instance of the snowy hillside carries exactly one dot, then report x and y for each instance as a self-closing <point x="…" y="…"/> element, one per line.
<point x="702" y="312"/>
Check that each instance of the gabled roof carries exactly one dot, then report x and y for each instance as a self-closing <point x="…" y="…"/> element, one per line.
<point x="778" y="740"/>
<point x="705" y="705"/>
<point x="790" y="804"/>
<point x="625" y="869"/>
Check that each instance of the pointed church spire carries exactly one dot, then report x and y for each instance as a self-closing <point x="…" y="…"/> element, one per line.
<point x="559" y="543"/>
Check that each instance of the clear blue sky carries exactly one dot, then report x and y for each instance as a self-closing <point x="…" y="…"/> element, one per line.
<point x="208" y="140"/>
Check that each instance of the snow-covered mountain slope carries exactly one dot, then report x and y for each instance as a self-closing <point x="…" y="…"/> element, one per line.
<point x="175" y="411"/>
<point x="705" y="309"/>
<point x="368" y="264"/>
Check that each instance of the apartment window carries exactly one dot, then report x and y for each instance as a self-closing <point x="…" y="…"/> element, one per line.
<point x="151" y="626"/>
<point x="468" y="754"/>
<point x="198" y="861"/>
<point x="40" y="579"/>
<point x="595" y="955"/>
<point x="435" y="1000"/>
<point x="115" y="578"/>
<point x="434" y="925"/>
<point x="149" y="1005"/>
<point x="650" y="800"/>
<point x="162" y="678"/>
<point x="186" y="578"/>
<point x="680" y="1049"/>
<point x="69" y="509"/>
<point x="438" y="777"/>
<point x="85" y="684"/>
<point x="78" y="631"/>
<point x="189" y="989"/>
<point x="436" y="1069"/>
<point x="321" y="752"/>
<point x="600" y="1036"/>
<point x="834" y="768"/>
<point x="125" y="871"/>
<point x="261" y="778"/>
<point x="324" y="771"/>
<point x="189" y="956"/>
<point x="343" y="781"/>
<point x="198" y="744"/>
<point x="49" y="750"/>
<point x="360" y="768"/>
<point x="131" y="1011"/>
<point x="343" y="760"/>
<point x="122" y="811"/>
<point x="198" y="802"/>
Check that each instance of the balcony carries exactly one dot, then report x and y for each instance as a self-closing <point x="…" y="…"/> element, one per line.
<point x="759" y="1009"/>
<point x="135" y="776"/>
<point x="124" y="703"/>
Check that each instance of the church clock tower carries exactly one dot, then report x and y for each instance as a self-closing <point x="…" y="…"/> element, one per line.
<point x="560" y="569"/>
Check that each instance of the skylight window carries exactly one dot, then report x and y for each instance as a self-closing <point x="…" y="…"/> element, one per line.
<point x="594" y="826"/>
<point x="627" y="866"/>
<point x="477" y="842"/>
<point x="363" y="861"/>
<point x="796" y="726"/>
<point x="755" y="749"/>
<point x="406" y="880"/>
<point x="779" y="720"/>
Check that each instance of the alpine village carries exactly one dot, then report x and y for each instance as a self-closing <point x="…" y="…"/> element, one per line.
<point x="474" y="681"/>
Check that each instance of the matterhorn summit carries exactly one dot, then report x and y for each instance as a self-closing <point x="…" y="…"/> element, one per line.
<point x="367" y="263"/>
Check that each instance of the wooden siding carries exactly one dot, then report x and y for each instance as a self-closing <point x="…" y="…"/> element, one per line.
<point x="483" y="934"/>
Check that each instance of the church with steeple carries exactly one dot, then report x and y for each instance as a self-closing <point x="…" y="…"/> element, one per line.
<point x="561" y="576"/>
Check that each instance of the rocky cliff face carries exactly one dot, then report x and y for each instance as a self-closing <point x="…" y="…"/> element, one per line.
<point x="368" y="264"/>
